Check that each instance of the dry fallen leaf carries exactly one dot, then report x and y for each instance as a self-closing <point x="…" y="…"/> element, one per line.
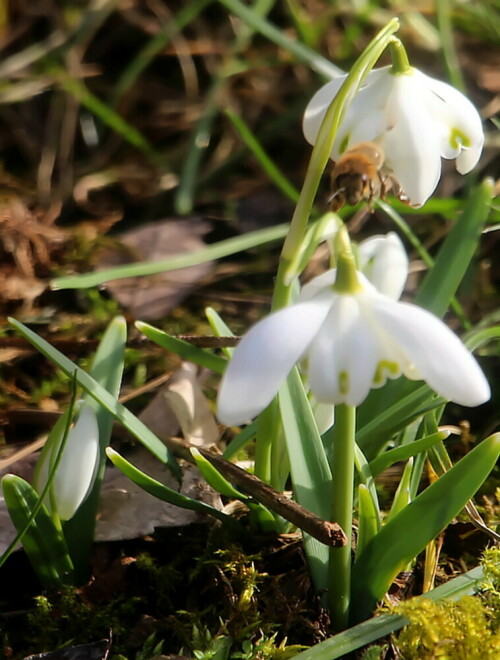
<point x="151" y="297"/>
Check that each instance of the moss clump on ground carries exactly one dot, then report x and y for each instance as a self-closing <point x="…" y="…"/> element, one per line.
<point x="467" y="629"/>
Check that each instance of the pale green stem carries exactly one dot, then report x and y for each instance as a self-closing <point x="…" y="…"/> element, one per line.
<point x="400" y="62"/>
<point x="343" y="452"/>
<point x="321" y="154"/>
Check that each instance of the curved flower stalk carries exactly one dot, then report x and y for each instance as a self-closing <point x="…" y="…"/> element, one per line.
<point x="77" y="467"/>
<point x="416" y="119"/>
<point x="352" y="341"/>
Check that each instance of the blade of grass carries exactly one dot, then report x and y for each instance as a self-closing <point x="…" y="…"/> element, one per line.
<point x="182" y="348"/>
<point x="212" y="252"/>
<point x="269" y="167"/>
<point x="441" y="283"/>
<point x="101" y="395"/>
<point x="164" y="493"/>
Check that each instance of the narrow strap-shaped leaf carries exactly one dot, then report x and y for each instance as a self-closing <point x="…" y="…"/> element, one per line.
<point x="404" y="452"/>
<point x="182" y="348"/>
<point x="311" y="475"/>
<point x="214" y="478"/>
<point x="96" y="391"/>
<point x="162" y="492"/>
<point x="442" y="281"/>
<point x="407" y="534"/>
<point x="42" y="540"/>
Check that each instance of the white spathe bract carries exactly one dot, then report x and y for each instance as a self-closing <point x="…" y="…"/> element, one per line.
<point x="416" y="119"/>
<point x="352" y="342"/>
<point x="77" y="468"/>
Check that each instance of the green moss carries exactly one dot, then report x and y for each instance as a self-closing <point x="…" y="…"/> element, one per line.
<point x="466" y="629"/>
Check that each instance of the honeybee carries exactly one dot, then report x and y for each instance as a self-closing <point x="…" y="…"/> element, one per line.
<point x="357" y="176"/>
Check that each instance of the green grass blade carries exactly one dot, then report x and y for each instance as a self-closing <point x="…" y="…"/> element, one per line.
<point x="442" y="281"/>
<point x="219" y="328"/>
<point x="108" y="116"/>
<point x="212" y="252"/>
<point x="102" y="396"/>
<point x="240" y="441"/>
<point x="164" y="493"/>
<point x="214" y="478"/>
<point x="279" y="37"/>
<point x="42" y="540"/>
<point x="155" y="45"/>
<point x="269" y="167"/>
<point x="405" y="452"/>
<point x="407" y="534"/>
<point x="182" y="348"/>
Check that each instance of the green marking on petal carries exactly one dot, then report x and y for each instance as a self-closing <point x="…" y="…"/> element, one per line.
<point x="344" y="382"/>
<point x="459" y="139"/>
<point x="385" y="369"/>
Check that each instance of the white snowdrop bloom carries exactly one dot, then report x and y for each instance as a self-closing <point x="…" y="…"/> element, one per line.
<point x="352" y="342"/>
<point x="77" y="468"/>
<point x="384" y="262"/>
<point x="417" y="120"/>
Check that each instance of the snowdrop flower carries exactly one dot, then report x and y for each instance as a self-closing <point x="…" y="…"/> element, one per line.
<point x="352" y="341"/>
<point x="384" y="262"/>
<point x="416" y="119"/>
<point x="76" y="470"/>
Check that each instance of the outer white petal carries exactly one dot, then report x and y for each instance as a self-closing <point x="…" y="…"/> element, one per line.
<point x="384" y="262"/>
<point x="444" y="362"/>
<point x="317" y="107"/>
<point x="411" y="144"/>
<point x="265" y="356"/>
<point x="458" y="116"/>
<point x="343" y="356"/>
<point x="76" y="470"/>
<point x="365" y="119"/>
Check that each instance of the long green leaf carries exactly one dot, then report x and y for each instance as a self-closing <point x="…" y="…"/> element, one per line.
<point x="311" y="474"/>
<point x="215" y="251"/>
<point x="164" y="493"/>
<point x="404" y="452"/>
<point x="182" y="348"/>
<point x="42" y="540"/>
<point x="380" y="626"/>
<point x="407" y="534"/>
<point x="442" y="281"/>
<point x="102" y="396"/>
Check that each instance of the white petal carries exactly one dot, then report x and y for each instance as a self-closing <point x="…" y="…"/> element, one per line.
<point x="343" y="356"/>
<point x="317" y="285"/>
<point x="444" y="362"/>
<point x="265" y="356"/>
<point x="462" y="130"/>
<point x="384" y="262"/>
<point x="365" y="119"/>
<point x="76" y="470"/>
<point x="411" y="144"/>
<point x="317" y="107"/>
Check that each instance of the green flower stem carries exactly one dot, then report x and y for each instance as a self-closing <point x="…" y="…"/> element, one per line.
<point x="400" y="62"/>
<point x="320" y="156"/>
<point x="341" y="512"/>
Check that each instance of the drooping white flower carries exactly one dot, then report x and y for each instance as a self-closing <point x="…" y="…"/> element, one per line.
<point x="352" y="342"/>
<point x="384" y="262"/>
<point x="416" y="119"/>
<point x="77" y="468"/>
